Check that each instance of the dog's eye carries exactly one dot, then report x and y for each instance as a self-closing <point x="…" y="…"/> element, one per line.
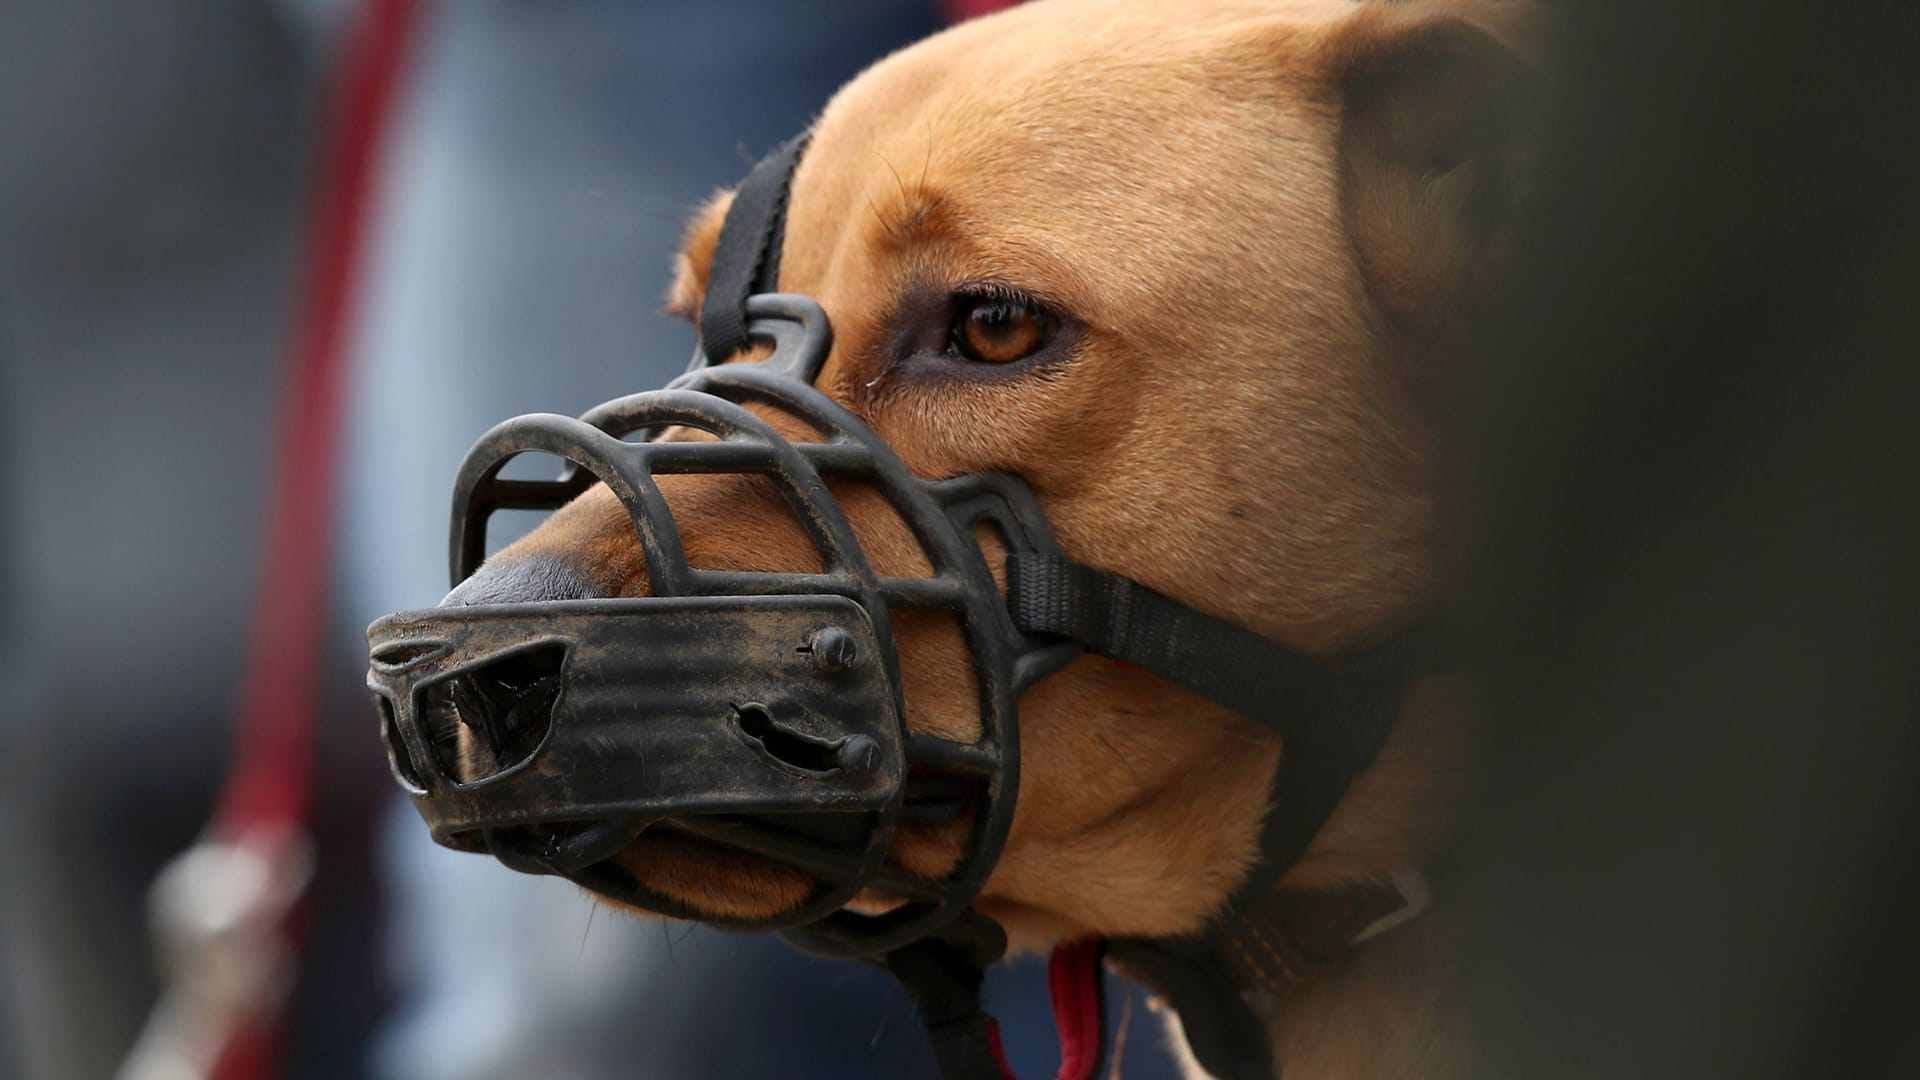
<point x="1000" y="330"/>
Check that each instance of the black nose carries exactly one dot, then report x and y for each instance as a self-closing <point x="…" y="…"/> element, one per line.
<point x="491" y="718"/>
<point x="523" y="578"/>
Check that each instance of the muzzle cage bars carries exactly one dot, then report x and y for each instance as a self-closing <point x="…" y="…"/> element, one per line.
<point x="816" y="780"/>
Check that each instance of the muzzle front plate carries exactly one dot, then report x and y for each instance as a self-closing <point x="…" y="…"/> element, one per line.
<point x="638" y="708"/>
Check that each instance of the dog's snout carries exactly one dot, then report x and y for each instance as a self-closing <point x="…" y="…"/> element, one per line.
<point x="523" y="578"/>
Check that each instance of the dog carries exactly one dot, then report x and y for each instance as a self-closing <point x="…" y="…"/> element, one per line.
<point x="1194" y="271"/>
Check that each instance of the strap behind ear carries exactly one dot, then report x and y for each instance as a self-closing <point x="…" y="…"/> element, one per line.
<point x="746" y="259"/>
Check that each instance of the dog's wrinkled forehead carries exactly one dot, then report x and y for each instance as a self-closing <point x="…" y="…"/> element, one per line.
<point x="1034" y="146"/>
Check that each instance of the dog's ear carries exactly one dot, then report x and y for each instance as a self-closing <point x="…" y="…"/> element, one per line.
<point x="1434" y="146"/>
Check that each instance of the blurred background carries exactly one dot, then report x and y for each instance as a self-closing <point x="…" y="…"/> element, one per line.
<point x="1691" y="519"/>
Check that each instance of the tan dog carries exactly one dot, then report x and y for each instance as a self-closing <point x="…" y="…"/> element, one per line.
<point x="1188" y="269"/>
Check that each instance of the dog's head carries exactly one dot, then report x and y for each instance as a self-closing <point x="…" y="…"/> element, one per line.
<point x="1183" y="268"/>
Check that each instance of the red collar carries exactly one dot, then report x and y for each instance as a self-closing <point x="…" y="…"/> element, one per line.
<point x="1077" y="984"/>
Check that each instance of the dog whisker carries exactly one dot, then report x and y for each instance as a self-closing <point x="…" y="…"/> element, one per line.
<point x="593" y="910"/>
<point x="905" y="197"/>
<point x="927" y="162"/>
<point x="886" y="1010"/>
<point x="881" y="218"/>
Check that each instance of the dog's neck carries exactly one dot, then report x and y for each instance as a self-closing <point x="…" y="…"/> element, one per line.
<point x="1344" y="959"/>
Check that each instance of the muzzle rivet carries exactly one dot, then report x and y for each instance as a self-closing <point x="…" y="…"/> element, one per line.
<point x="858" y="756"/>
<point x="831" y="649"/>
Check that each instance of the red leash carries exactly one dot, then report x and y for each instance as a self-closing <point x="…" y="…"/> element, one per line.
<point x="227" y="913"/>
<point x="272" y="779"/>
<point x="269" y="793"/>
<point x="1077" y="986"/>
<point x="1075" y="981"/>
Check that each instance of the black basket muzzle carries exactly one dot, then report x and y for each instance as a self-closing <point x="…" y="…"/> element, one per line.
<point x="763" y="712"/>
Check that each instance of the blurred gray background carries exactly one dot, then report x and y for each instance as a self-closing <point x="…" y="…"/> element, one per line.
<point x="153" y="156"/>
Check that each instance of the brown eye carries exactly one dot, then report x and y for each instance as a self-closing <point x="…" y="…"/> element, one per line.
<point x="992" y="330"/>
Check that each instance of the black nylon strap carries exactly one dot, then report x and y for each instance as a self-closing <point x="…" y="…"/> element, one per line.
<point x="1124" y="620"/>
<point x="1334" y="721"/>
<point x="1227" y="1038"/>
<point x="945" y="985"/>
<point x="1333" y="724"/>
<point x="746" y="258"/>
<point x="1315" y="773"/>
<point x="1222" y="1030"/>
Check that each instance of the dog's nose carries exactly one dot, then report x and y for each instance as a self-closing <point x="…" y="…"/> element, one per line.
<point x="492" y="717"/>
<point x="519" y="578"/>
